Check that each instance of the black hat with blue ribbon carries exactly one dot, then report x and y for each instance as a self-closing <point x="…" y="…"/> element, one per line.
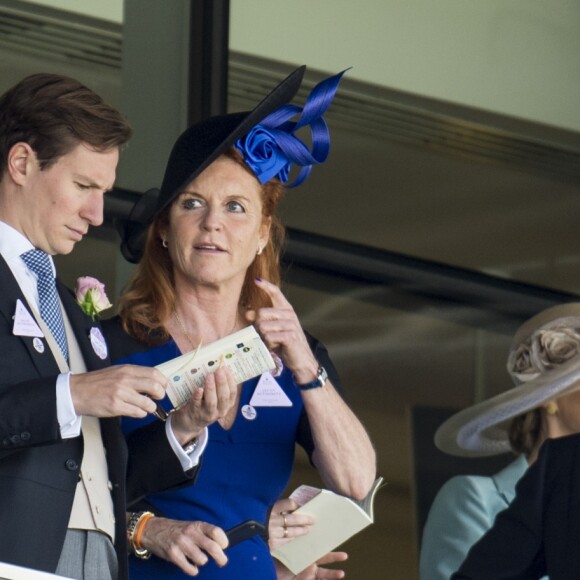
<point x="265" y="136"/>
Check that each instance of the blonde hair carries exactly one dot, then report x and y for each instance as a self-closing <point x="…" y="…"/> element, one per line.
<point x="149" y="297"/>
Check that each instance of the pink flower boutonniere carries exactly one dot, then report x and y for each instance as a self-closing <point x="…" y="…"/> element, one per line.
<point x="91" y="296"/>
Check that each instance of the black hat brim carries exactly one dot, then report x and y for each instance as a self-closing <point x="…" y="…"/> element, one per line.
<point x="195" y="149"/>
<point x="202" y="143"/>
<point x="133" y="229"/>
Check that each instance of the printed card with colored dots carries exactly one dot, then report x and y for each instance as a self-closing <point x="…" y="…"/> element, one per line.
<point x="243" y="352"/>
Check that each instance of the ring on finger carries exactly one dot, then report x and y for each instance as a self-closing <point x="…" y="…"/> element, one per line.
<point x="285" y="532"/>
<point x="285" y="524"/>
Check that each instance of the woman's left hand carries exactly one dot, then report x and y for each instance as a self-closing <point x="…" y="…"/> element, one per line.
<point x="280" y="329"/>
<point x="314" y="572"/>
<point x="206" y="405"/>
<point x="285" y="525"/>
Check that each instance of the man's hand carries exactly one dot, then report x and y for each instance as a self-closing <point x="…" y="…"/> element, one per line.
<point x="124" y="390"/>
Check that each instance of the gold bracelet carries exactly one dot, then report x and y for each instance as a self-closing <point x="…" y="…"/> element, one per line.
<point x="135" y="525"/>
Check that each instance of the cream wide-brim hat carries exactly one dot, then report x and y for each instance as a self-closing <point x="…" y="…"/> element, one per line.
<point x="482" y="429"/>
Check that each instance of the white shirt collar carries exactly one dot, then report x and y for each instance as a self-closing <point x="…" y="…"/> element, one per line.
<point x="13" y="244"/>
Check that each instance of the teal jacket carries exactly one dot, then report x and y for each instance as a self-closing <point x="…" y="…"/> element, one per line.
<point x="463" y="510"/>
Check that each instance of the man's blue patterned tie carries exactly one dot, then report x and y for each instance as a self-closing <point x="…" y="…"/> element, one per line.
<point x="39" y="263"/>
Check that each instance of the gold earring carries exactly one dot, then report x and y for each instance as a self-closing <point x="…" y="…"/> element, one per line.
<point x="552" y="408"/>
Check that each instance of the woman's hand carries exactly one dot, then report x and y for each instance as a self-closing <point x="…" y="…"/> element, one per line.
<point x="284" y="525"/>
<point x="343" y="453"/>
<point x="206" y="405"/>
<point x="188" y="545"/>
<point x="282" y="333"/>
<point x="314" y="572"/>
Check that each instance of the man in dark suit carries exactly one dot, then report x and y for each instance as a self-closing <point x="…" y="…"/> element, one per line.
<point x="63" y="458"/>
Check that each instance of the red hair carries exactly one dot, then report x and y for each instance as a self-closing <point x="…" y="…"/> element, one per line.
<point x="149" y="298"/>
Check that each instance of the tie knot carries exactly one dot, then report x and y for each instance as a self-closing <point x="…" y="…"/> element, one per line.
<point x="39" y="262"/>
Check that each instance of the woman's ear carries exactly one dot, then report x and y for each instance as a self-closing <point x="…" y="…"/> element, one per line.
<point x="265" y="231"/>
<point x="161" y="233"/>
<point x="18" y="162"/>
<point x="551" y="407"/>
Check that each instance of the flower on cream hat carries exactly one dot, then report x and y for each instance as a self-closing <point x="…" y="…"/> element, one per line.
<point x="544" y="363"/>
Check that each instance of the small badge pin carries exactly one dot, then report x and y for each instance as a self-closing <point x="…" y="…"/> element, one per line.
<point x="98" y="343"/>
<point x="249" y="413"/>
<point x="24" y="323"/>
<point x="38" y="345"/>
<point x="269" y="393"/>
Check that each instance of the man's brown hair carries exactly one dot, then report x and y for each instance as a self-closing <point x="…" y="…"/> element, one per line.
<point x="55" y="113"/>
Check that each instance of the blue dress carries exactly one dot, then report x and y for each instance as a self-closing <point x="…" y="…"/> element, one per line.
<point x="244" y="471"/>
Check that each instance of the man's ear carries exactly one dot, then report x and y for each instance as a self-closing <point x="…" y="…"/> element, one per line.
<point x="19" y="162"/>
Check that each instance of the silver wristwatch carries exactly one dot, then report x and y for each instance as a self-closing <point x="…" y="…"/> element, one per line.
<point x="321" y="378"/>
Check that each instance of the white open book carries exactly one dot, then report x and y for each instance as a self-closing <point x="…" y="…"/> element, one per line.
<point x="243" y="352"/>
<point x="337" y="519"/>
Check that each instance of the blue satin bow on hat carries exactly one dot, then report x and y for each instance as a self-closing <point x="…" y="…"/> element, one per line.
<point x="271" y="147"/>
